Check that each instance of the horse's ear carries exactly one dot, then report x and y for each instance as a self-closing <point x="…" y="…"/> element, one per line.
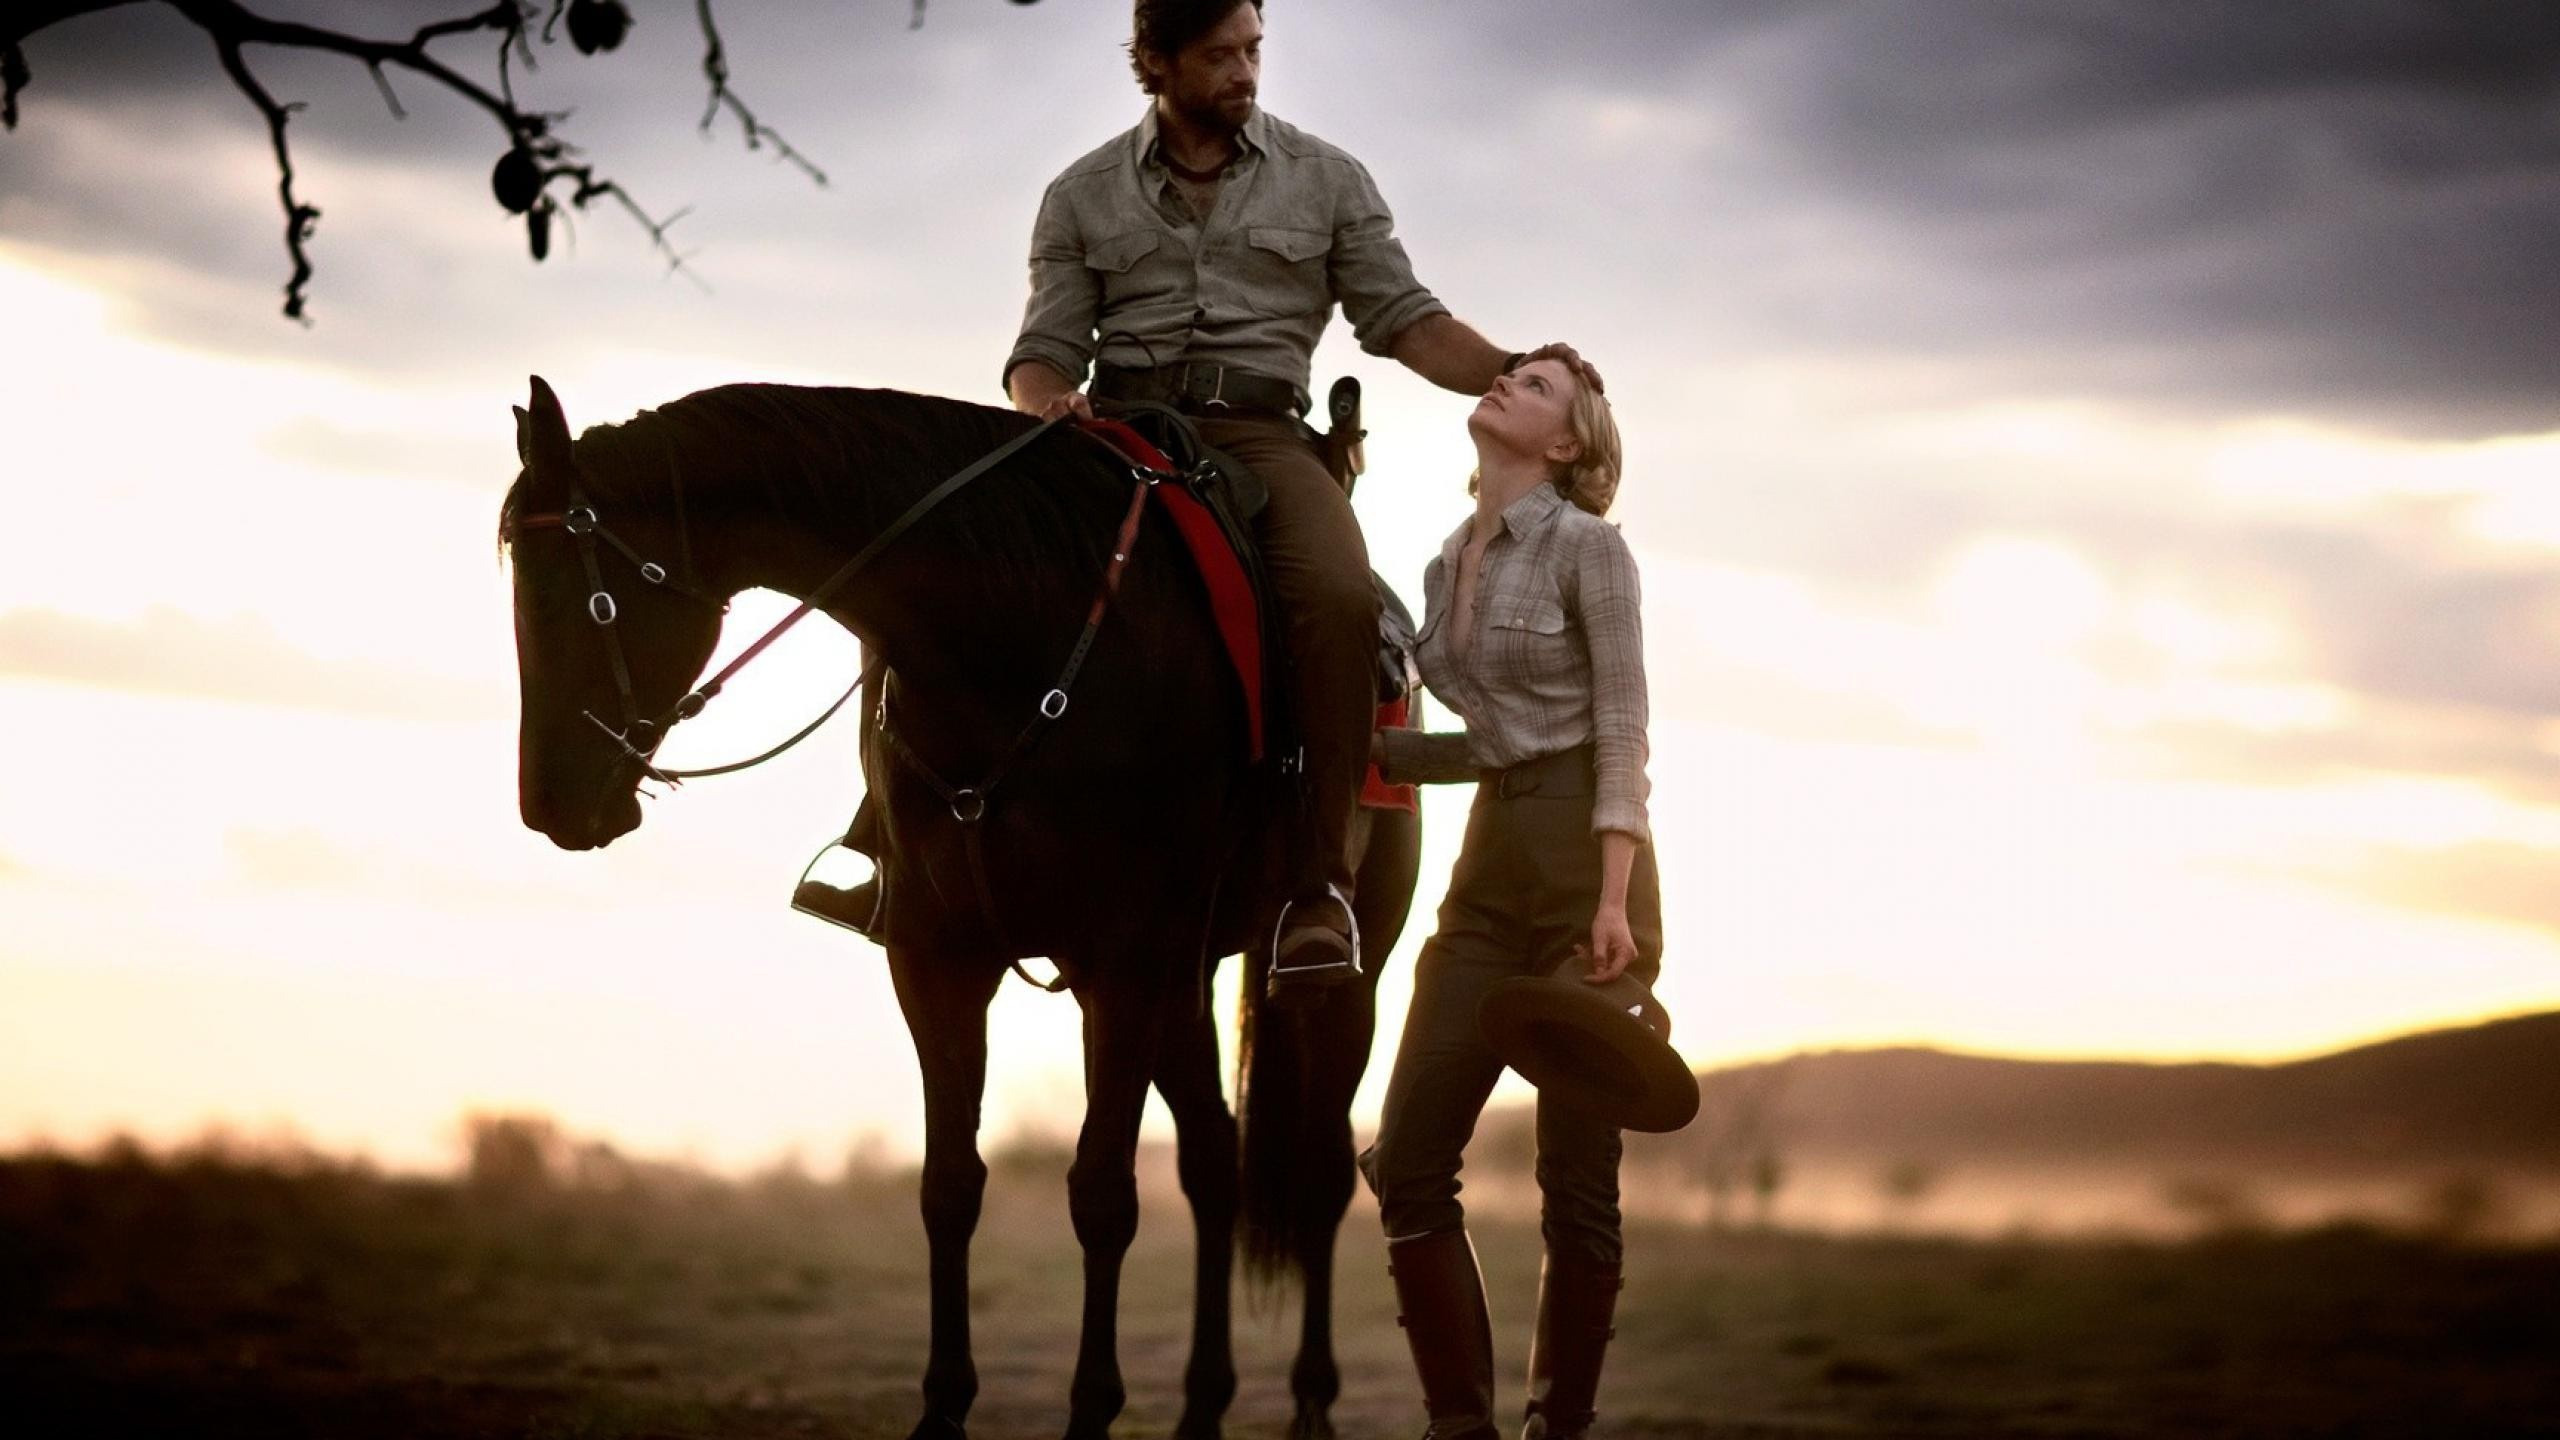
<point x="542" y="433"/>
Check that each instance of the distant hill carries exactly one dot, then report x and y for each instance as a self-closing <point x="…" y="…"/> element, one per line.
<point x="2484" y="1094"/>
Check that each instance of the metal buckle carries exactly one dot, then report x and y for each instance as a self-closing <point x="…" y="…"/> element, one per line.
<point x="1187" y="385"/>
<point x="968" y="806"/>
<point x="601" y="609"/>
<point x="653" y="572"/>
<point x="578" y="519"/>
<point x="1053" y="704"/>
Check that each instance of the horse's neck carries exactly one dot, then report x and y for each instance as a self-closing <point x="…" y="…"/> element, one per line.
<point x="926" y="603"/>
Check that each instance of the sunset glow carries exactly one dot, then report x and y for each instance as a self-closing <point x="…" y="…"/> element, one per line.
<point x="2081" y="716"/>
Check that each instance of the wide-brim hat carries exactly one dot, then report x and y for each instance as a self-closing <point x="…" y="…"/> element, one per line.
<point x="1607" y="1046"/>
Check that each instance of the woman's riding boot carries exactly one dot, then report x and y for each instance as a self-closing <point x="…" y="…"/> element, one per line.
<point x="1441" y="1296"/>
<point x="1576" y="1302"/>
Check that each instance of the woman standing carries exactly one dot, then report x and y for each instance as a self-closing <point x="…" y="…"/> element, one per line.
<point x="1531" y="634"/>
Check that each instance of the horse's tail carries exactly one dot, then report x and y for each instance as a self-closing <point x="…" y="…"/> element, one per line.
<point x="1297" y="1070"/>
<point x="1296" y="1149"/>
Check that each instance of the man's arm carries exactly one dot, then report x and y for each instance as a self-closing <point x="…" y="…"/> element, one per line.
<point x="1448" y="352"/>
<point x="1056" y="344"/>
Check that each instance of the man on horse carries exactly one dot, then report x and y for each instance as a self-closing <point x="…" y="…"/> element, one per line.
<point x="1194" y="261"/>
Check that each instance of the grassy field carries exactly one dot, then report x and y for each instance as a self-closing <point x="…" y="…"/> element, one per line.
<point x="215" y="1297"/>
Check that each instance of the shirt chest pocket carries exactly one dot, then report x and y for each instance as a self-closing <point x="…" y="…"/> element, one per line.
<point x="1527" y="635"/>
<point x="1284" y="270"/>
<point x="1119" y="262"/>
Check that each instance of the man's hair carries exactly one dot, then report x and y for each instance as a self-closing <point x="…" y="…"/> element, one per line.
<point x="1168" y="27"/>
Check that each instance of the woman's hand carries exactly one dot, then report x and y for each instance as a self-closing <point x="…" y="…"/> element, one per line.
<point x="1612" y="948"/>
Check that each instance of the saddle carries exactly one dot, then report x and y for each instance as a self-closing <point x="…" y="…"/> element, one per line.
<point x="1213" y="500"/>
<point x="1162" y="438"/>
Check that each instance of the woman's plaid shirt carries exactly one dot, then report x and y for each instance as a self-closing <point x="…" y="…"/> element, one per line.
<point x="1556" y="661"/>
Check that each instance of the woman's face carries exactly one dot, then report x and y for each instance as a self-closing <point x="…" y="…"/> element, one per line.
<point x="1528" y="412"/>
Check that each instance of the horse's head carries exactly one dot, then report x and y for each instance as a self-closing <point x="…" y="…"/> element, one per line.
<point x="605" y="643"/>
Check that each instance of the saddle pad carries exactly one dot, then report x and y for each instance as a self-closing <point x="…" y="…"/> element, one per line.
<point x="1231" y="598"/>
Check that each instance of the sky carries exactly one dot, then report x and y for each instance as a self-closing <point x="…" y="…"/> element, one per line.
<point x="2092" y="466"/>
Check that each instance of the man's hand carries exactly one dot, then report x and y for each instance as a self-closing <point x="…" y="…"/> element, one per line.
<point x="1037" y="389"/>
<point x="1573" y="361"/>
<point x="1071" y="403"/>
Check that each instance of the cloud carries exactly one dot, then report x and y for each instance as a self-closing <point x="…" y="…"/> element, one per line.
<point x="2493" y="880"/>
<point x="2509" y="754"/>
<point x="2218" y="208"/>
<point x="169" y="652"/>
<point x="2221" y="209"/>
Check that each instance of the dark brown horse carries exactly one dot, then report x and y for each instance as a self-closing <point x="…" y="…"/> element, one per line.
<point x="1129" y="840"/>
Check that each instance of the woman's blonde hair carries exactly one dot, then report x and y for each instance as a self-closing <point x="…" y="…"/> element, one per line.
<point x="1590" y="479"/>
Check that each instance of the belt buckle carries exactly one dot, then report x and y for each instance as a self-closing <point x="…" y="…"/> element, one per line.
<point x="1214" y="393"/>
<point x="1502" y="787"/>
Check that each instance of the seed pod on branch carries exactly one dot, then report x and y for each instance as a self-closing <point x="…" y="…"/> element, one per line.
<point x="597" y="24"/>
<point x="537" y="230"/>
<point x="517" y="181"/>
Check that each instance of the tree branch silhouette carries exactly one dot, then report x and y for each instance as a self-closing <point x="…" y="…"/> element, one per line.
<point x="536" y="155"/>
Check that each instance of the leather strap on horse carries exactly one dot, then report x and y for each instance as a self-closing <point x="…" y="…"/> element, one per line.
<point x="968" y="803"/>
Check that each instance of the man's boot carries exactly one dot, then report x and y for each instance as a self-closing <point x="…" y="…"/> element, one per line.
<point x="1576" y="1302"/>
<point x="1441" y="1296"/>
<point x="1315" y="946"/>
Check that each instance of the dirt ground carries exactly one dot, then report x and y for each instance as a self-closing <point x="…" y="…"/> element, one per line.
<point x="215" y="1298"/>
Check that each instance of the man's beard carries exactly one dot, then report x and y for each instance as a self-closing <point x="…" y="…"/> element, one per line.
<point x="1215" y="118"/>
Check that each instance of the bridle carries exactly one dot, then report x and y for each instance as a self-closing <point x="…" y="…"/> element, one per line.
<point x="639" y="737"/>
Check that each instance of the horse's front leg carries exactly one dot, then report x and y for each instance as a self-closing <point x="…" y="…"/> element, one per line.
<point x="945" y="1002"/>
<point x="1123" y="1004"/>
<point x="1205" y="1132"/>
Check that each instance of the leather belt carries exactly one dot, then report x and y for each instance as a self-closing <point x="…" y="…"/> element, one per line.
<point x="1200" y="389"/>
<point x="1567" y="774"/>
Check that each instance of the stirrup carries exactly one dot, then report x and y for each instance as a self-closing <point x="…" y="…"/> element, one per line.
<point x="814" y="897"/>
<point x="1324" y="974"/>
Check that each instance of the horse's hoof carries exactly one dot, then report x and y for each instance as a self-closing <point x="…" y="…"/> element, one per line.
<point x="1311" y="1425"/>
<point x="938" y="1427"/>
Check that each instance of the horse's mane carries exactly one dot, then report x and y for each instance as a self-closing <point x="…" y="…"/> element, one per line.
<point x="811" y="453"/>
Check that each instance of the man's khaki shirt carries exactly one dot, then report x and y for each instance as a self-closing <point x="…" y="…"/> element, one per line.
<point x="1118" y="257"/>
